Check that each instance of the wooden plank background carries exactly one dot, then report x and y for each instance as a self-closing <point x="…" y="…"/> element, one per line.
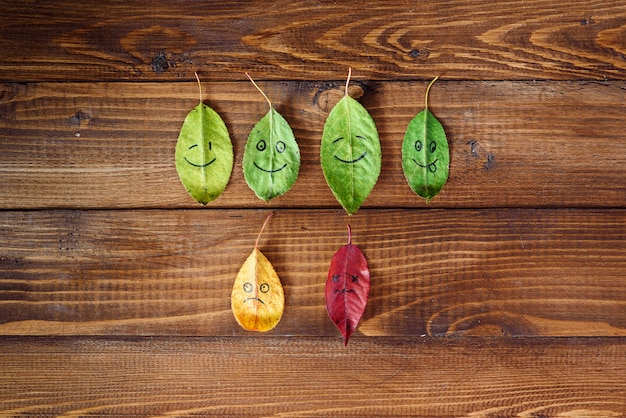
<point x="504" y="296"/>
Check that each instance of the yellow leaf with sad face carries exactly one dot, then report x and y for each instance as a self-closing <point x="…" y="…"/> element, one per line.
<point x="257" y="299"/>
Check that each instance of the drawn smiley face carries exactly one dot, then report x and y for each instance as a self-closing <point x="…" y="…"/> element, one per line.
<point x="432" y="147"/>
<point x="195" y="154"/>
<point x="357" y="154"/>
<point x="251" y="295"/>
<point x="262" y="149"/>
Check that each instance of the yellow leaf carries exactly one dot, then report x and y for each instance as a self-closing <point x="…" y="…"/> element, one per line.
<point x="257" y="299"/>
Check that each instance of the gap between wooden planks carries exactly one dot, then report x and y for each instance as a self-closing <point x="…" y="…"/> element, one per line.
<point x="434" y="272"/>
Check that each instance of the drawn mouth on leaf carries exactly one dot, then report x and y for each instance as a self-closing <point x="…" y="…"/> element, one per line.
<point x="270" y="171"/>
<point x="432" y="167"/>
<point x="201" y="165"/>
<point x="257" y="299"/>
<point x="352" y="161"/>
<point x="359" y="158"/>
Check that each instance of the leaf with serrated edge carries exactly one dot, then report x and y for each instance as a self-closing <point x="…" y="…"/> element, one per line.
<point x="425" y="153"/>
<point x="350" y="152"/>
<point x="271" y="159"/>
<point x="204" y="153"/>
<point x="257" y="299"/>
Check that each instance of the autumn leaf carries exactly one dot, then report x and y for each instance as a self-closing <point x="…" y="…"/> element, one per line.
<point x="204" y="153"/>
<point x="257" y="299"/>
<point x="425" y="153"/>
<point x="347" y="288"/>
<point x="350" y="152"/>
<point x="271" y="158"/>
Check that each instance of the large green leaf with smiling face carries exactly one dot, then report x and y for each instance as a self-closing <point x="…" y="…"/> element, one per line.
<point x="271" y="158"/>
<point x="350" y="153"/>
<point x="425" y="153"/>
<point x="204" y="154"/>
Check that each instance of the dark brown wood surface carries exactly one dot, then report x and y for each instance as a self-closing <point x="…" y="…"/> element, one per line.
<point x="287" y="39"/>
<point x="513" y="144"/>
<point x="504" y="296"/>
<point x="314" y="377"/>
<point x="435" y="272"/>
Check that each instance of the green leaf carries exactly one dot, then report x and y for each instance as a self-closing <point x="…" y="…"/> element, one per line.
<point x="204" y="153"/>
<point x="425" y="153"/>
<point x="350" y="152"/>
<point x="271" y="159"/>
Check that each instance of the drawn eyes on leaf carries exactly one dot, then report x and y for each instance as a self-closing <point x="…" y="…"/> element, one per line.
<point x="195" y="145"/>
<point x="361" y="137"/>
<point x="262" y="146"/>
<point x="264" y="288"/>
<point x="432" y="146"/>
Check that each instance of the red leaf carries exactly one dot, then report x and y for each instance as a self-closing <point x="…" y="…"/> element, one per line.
<point x="347" y="288"/>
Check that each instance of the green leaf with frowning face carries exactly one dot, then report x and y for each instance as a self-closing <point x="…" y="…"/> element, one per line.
<point x="425" y="153"/>
<point x="350" y="153"/>
<point x="271" y="159"/>
<point x="204" y="154"/>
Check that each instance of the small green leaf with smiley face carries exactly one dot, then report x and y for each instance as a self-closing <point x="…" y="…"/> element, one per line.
<point x="271" y="159"/>
<point x="425" y="153"/>
<point x="350" y="152"/>
<point x="204" y="153"/>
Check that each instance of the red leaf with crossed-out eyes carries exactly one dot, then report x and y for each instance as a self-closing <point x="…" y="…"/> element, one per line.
<point x="347" y="288"/>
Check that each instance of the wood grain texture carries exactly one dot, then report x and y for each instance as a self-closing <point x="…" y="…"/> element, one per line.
<point x="505" y="296"/>
<point x="300" y="377"/>
<point x="513" y="144"/>
<point x="290" y="39"/>
<point x="434" y="272"/>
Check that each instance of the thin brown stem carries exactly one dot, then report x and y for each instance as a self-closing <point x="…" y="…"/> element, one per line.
<point x="259" y="89"/>
<point x="256" y="244"/>
<point x="199" y="85"/>
<point x="428" y="90"/>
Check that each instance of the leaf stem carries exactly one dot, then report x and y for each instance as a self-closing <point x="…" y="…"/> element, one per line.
<point x="199" y="85"/>
<point x="256" y="244"/>
<point x="349" y="234"/>
<point x="428" y="90"/>
<point x="348" y="80"/>
<point x="259" y="89"/>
